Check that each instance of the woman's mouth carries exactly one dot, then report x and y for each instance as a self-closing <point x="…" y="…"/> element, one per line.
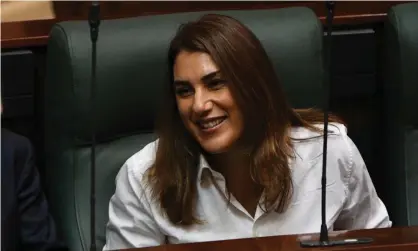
<point x="211" y="124"/>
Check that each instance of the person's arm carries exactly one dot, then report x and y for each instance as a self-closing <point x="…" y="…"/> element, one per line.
<point x="131" y="223"/>
<point x="37" y="228"/>
<point x="363" y="208"/>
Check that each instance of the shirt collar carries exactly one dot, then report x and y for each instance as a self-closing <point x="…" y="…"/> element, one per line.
<point x="204" y="168"/>
<point x="205" y="171"/>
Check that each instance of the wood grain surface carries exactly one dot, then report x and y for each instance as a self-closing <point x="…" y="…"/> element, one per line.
<point x="390" y="239"/>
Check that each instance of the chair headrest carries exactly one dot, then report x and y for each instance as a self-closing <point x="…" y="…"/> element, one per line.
<point x="401" y="60"/>
<point x="131" y="66"/>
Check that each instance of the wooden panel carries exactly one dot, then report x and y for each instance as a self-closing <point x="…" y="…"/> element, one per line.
<point x="35" y="32"/>
<point x="389" y="239"/>
<point x="14" y="11"/>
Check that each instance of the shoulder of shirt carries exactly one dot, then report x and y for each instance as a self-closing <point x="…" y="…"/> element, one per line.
<point x="142" y="160"/>
<point x="339" y="144"/>
<point x="303" y="133"/>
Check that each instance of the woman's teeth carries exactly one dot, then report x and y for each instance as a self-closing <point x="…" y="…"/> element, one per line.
<point x="211" y="124"/>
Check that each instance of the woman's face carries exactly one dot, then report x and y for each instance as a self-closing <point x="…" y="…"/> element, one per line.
<point x="205" y="103"/>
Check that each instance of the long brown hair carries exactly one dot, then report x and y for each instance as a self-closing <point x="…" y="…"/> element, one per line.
<point x="255" y="87"/>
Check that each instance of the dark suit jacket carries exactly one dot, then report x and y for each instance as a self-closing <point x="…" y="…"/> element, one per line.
<point x="25" y="221"/>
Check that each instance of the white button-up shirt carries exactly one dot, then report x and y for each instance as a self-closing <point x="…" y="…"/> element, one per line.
<point x="136" y="220"/>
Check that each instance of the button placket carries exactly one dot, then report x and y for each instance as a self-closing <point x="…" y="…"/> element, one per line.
<point x="256" y="231"/>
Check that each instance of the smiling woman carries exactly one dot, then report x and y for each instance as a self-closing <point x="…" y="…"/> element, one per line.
<point x="205" y="102"/>
<point x="233" y="159"/>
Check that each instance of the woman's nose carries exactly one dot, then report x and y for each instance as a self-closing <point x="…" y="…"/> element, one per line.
<point x="201" y="102"/>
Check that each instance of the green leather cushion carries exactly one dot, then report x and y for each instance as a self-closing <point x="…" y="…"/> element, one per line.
<point x="130" y="72"/>
<point x="131" y="65"/>
<point x="411" y="173"/>
<point x="402" y="63"/>
<point x="400" y="117"/>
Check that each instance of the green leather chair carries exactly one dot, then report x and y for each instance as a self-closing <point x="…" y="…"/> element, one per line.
<point x="131" y="69"/>
<point x="401" y="115"/>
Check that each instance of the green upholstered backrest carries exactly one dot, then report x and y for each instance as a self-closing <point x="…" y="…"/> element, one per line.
<point x="401" y="116"/>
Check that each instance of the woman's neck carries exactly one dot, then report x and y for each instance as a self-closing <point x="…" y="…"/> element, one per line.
<point x="236" y="170"/>
<point x="230" y="164"/>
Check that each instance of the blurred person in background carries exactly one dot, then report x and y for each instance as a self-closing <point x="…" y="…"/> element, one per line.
<point x="25" y="220"/>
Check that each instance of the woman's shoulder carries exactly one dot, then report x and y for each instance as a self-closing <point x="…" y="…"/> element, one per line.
<point x="142" y="160"/>
<point x="303" y="133"/>
<point x="309" y="143"/>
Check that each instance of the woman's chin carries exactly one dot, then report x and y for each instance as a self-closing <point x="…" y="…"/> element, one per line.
<point x="215" y="147"/>
<point x="220" y="142"/>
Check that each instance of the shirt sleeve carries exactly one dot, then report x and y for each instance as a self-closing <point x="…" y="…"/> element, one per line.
<point x="131" y="222"/>
<point x="363" y="208"/>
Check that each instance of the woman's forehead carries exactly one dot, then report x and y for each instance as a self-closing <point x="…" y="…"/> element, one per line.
<point x="193" y="66"/>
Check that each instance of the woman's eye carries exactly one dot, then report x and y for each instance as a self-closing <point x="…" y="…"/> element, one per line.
<point x="183" y="91"/>
<point x="216" y="84"/>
